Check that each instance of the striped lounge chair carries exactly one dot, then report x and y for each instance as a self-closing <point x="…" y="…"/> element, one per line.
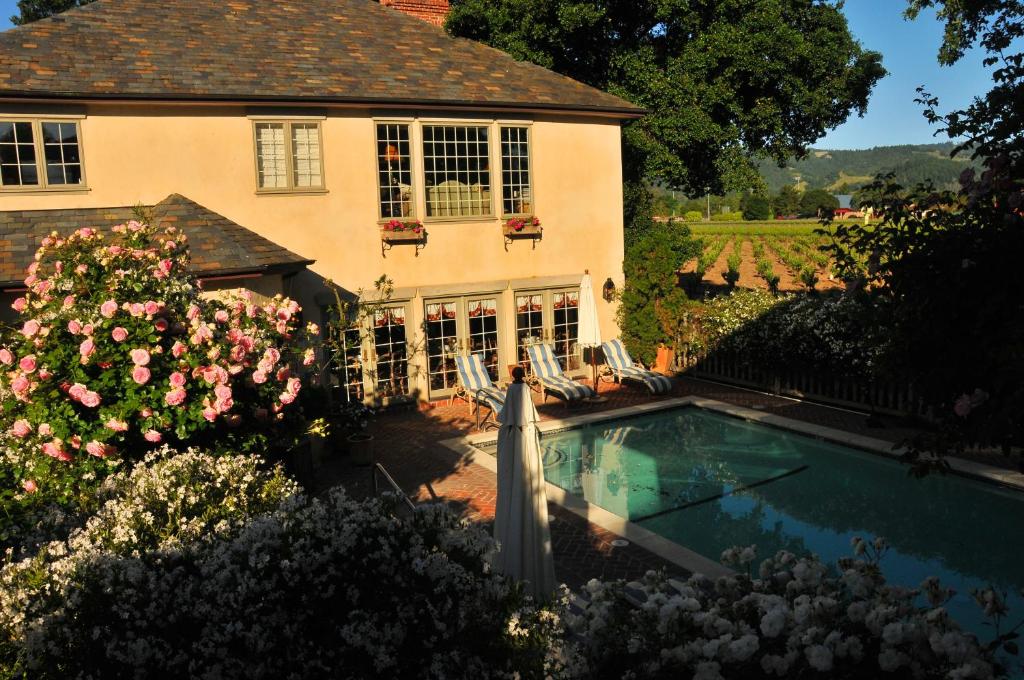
<point x="623" y="368"/>
<point x="476" y="388"/>
<point x="547" y="370"/>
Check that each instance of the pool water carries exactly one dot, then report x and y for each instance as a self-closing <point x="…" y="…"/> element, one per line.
<point x="710" y="481"/>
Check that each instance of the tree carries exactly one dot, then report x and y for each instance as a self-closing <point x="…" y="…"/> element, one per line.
<point x="723" y="81"/>
<point x="653" y="304"/>
<point x="817" y="203"/>
<point x="947" y="261"/>
<point x="34" y="10"/>
<point x="787" y="202"/>
<point x="755" y="207"/>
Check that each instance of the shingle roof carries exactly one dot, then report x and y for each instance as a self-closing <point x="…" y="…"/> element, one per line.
<point x="218" y="245"/>
<point x="345" y="51"/>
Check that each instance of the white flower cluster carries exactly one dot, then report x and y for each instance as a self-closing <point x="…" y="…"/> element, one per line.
<point x="210" y="567"/>
<point x="794" y="620"/>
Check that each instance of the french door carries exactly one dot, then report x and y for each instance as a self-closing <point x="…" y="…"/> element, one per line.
<point x="373" y="355"/>
<point x="550" y="317"/>
<point x="460" y="326"/>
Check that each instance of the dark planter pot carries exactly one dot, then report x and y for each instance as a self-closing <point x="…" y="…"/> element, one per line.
<point x="361" y="449"/>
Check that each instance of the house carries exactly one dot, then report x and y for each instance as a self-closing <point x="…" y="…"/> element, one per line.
<point x="288" y="135"/>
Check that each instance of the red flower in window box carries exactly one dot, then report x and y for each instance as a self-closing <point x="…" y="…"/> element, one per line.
<point x="524" y="226"/>
<point x="414" y="226"/>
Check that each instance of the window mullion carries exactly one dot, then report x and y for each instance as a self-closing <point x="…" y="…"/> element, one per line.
<point x="40" y="146"/>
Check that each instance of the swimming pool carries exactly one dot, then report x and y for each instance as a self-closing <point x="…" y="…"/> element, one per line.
<point x="710" y="481"/>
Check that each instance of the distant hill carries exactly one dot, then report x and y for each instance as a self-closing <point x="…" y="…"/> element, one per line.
<point x="830" y="169"/>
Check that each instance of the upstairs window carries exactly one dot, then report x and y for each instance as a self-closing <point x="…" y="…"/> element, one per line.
<point x="394" y="171"/>
<point x="40" y="154"/>
<point x="516" y="191"/>
<point x="456" y="169"/>
<point x="288" y="156"/>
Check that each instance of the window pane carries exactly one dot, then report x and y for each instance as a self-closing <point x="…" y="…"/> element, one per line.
<point x="306" y="154"/>
<point x="270" y="156"/>
<point x="17" y="155"/>
<point x="60" y="145"/>
<point x="394" y="171"/>
<point x="516" y="192"/>
<point x="456" y="170"/>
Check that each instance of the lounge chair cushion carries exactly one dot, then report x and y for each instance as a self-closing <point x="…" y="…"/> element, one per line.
<point x="567" y="389"/>
<point x="622" y="365"/>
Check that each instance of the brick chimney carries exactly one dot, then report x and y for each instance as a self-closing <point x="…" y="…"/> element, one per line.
<point x="431" y="11"/>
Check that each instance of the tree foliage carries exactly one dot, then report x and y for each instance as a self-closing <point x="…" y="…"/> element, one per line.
<point x="817" y="203"/>
<point x="722" y="81"/>
<point x="652" y="301"/>
<point x="756" y="207"/>
<point x="948" y="261"/>
<point x="34" y="10"/>
<point x="787" y="201"/>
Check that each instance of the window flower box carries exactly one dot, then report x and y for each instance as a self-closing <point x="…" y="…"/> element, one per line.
<point x="522" y="227"/>
<point x="399" y="232"/>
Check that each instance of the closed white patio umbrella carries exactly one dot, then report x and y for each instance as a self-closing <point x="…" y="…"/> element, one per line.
<point x="521" y="512"/>
<point x="588" y="332"/>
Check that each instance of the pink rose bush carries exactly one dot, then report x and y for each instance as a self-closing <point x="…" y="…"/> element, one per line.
<point x="116" y="351"/>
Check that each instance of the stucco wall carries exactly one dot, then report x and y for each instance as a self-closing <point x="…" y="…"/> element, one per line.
<point x="137" y="154"/>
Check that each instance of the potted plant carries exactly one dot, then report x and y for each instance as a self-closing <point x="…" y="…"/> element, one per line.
<point x="522" y="226"/>
<point x="399" y="231"/>
<point x="355" y="419"/>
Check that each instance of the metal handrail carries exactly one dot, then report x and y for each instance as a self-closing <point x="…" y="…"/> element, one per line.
<point x="378" y="468"/>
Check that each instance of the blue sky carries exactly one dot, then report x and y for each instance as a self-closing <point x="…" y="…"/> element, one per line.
<point x="909" y="53"/>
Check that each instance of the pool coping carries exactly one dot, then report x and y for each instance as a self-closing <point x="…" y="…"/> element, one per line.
<point x="671" y="551"/>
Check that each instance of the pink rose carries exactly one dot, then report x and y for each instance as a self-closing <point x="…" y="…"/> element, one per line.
<point x="272" y="355"/>
<point x="116" y="425"/>
<point x="108" y="308"/>
<point x="177" y="379"/>
<point x="20" y="385"/>
<point x="76" y="391"/>
<point x="177" y="349"/>
<point x="221" y="316"/>
<point x="165" y="266"/>
<point x="294" y="385"/>
<point x="151" y="307"/>
<point x="152" y="436"/>
<point x="6" y="358"/>
<point x="81" y="269"/>
<point x="222" y="392"/>
<point x="30" y="279"/>
<point x="281" y="327"/>
<point x="30" y="328"/>
<point x="28" y="363"/>
<point x="20" y="304"/>
<point x="146" y="412"/>
<point x="160" y="325"/>
<point x="95" y="448"/>
<point x="75" y="441"/>
<point x="74" y="327"/>
<point x="140" y="374"/>
<point x="119" y="334"/>
<point x="55" y="449"/>
<point x="283" y="373"/>
<point x="115" y="250"/>
<point x="69" y="301"/>
<point x="87" y="348"/>
<point x="44" y="374"/>
<point x="29" y="485"/>
<point x="259" y="377"/>
<point x="140" y="357"/>
<point x="286" y="397"/>
<point x="136" y="309"/>
<point x="308" y="357"/>
<point x="175" y="396"/>
<point x="87" y="329"/>
<point x="45" y="430"/>
<point x="210" y="414"/>
<point x="90" y="399"/>
<point x="192" y="313"/>
<point x="21" y="428"/>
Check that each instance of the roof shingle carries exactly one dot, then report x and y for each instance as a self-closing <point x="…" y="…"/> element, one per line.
<point x="343" y="51"/>
<point x="218" y="246"/>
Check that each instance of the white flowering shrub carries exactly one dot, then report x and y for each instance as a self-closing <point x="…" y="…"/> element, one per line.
<point x="834" y="335"/>
<point x="206" y="567"/>
<point x="795" y="620"/>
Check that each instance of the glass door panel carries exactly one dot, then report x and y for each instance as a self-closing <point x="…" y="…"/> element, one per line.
<point x="442" y="331"/>
<point x="565" y="307"/>
<point x="482" y="318"/>
<point x="529" y="324"/>
<point x="390" y="351"/>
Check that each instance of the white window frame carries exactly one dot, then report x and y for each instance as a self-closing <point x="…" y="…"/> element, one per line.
<point x="529" y="163"/>
<point x="40" y="150"/>
<point x="289" y="156"/>
<point x="415" y="167"/>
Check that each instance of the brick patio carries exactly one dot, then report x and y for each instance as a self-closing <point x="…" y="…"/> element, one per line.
<point x="407" y="444"/>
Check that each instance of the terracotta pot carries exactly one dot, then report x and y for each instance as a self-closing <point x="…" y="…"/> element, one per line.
<point x="361" y="448"/>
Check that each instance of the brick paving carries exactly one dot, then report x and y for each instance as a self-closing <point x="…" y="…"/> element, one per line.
<point x="408" y="445"/>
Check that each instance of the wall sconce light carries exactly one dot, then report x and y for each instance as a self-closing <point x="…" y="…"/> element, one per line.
<point x="608" y="290"/>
